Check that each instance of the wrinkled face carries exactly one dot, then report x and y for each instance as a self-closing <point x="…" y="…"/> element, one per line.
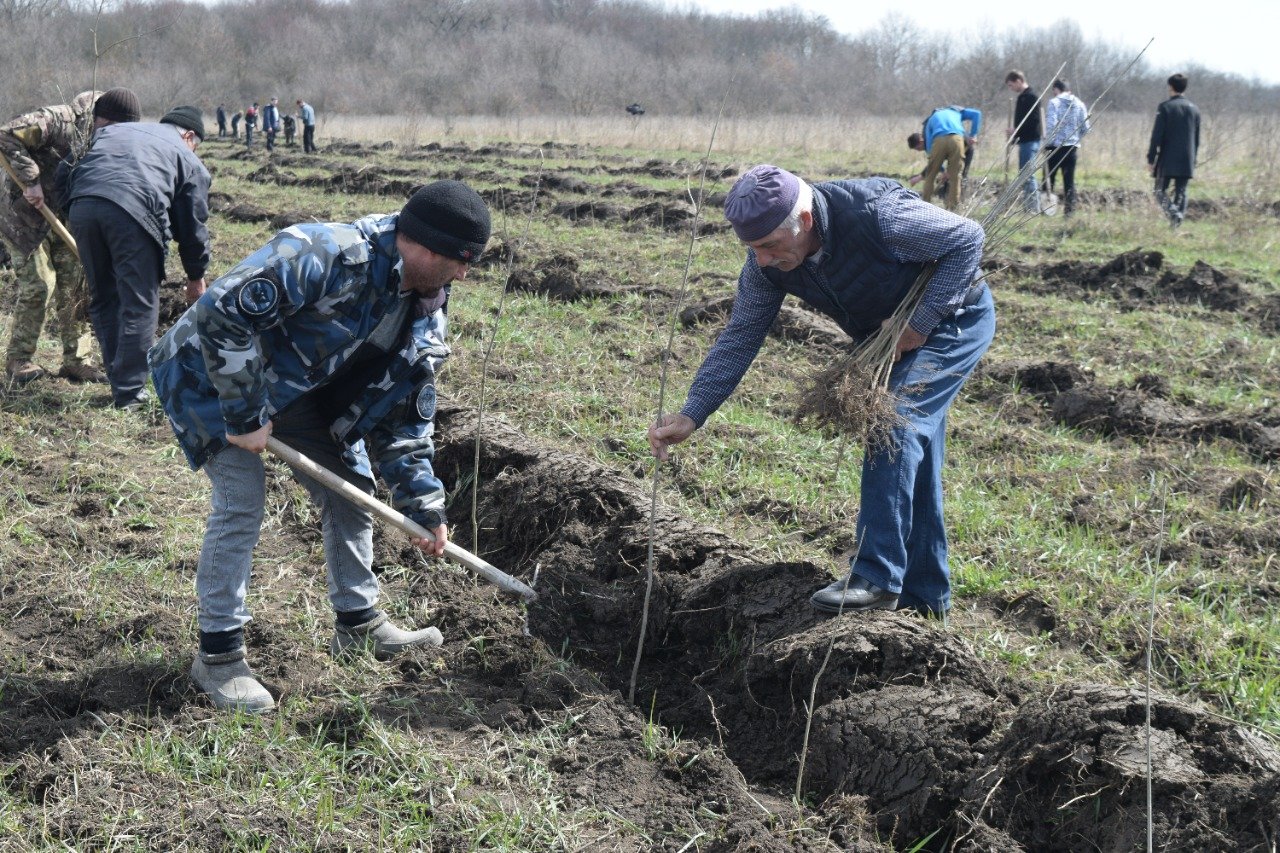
<point x="783" y="250"/>
<point x="424" y="271"/>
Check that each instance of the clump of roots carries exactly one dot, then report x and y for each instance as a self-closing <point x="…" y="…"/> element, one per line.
<point x="853" y="398"/>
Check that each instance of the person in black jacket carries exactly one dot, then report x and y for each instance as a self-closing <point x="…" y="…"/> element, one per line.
<point x="138" y="186"/>
<point x="1171" y="156"/>
<point x="1025" y="133"/>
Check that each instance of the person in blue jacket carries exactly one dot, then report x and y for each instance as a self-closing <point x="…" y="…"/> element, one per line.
<point x="329" y="338"/>
<point x="943" y="140"/>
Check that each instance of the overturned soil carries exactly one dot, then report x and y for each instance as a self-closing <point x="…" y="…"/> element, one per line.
<point x="1143" y="409"/>
<point x="795" y="322"/>
<point x="560" y="277"/>
<point x="1140" y="279"/>
<point x="905" y="714"/>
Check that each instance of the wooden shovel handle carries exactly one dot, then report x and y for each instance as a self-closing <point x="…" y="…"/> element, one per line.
<point x="458" y="555"/>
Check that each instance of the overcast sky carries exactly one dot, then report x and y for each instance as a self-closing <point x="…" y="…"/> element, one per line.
<point x="1237" y="36"/>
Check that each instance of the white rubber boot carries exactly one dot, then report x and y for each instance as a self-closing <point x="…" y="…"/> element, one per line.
<point x="229" y="683"/>
<point x="381" y="637"/>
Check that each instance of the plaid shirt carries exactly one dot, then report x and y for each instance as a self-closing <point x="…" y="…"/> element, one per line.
<point x="1067" y="119"/>
<point x="913" y="230"/>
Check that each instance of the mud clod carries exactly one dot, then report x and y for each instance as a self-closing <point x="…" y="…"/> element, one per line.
<point x="794" y="322"/>
<point x="909" y="750"/>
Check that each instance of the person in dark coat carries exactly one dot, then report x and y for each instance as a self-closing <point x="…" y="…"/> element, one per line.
<point x="1171" y="156"/>
<point x="235" y="124"/>
<point x="138" y="186"/>
<point x="222" y="120"/>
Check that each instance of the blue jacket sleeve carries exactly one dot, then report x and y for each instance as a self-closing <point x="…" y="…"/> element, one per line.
<point x="402" y="449"/>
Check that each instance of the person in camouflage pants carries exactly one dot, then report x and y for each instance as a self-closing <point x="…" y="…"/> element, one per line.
<point x="34" y="144"/>
<point x="329" y="338"/>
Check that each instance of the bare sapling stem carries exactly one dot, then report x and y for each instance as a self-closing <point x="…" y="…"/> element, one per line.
<point x="1155" y="573"/>
<point x="662" y="395"/>
<point x="512" y="251"/>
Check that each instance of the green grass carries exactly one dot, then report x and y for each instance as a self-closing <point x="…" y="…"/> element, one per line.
<point x="1073" y="519"/>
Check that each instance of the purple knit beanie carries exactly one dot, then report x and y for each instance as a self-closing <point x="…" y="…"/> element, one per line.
<point x="760" y="200"/>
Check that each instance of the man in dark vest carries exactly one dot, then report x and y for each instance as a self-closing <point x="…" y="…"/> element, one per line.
<point x="852" y="250"/>
<point x="1175" y="139"/>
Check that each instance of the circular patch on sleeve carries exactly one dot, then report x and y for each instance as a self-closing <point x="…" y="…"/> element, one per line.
<point x="427" y="402"/>
<point x="258" y="297"/>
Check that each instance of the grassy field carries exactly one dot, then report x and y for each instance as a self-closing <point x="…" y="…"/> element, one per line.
<point x="1061" y="534"/>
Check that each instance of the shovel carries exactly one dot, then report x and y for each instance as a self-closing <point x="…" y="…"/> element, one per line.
<point x="458" y="555"/>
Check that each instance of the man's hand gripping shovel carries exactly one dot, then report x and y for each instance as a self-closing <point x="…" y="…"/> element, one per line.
<point x="453" y="552"/>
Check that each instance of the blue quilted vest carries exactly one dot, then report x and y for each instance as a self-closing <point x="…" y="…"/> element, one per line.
<point x="858" y="283"/>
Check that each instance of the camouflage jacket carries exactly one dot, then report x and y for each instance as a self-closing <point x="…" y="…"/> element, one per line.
<point x="284" y="323"/>
<point x="34" y="144"/>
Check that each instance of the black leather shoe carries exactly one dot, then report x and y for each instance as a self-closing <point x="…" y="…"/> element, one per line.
<point x="859" y="594"/>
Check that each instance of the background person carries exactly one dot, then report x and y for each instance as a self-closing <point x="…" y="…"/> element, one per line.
<point x="307" y="115"/>
<point x="250" y="123"/>
<point x="1067" y="120"/>
<point x="852" y="250"/>
<point x="271" y="122"/>
<point x="1025" y="133"/>
<point x="943" y="140"/>
<point x="138" y="186"/>
<point x="35" y="144"/>
<point x="1175" y="142"/>
<point x="329" y="337"/>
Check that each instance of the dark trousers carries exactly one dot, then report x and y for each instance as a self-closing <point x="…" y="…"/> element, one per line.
<point x="271" y="140"/>
<point x="248" y="135"/>
<point x="124" y="266"/>
<point x="1175" y="208"/>
<point x="222" y="127"/>
<point x="1062" y="158"/>
<point x="308" y="138"/>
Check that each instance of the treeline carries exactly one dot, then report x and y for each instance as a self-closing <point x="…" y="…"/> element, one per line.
<point x="579" y="57"/>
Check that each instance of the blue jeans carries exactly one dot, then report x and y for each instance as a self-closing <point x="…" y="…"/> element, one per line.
<point x="239" y="498"/>
<point x="1030" y="194"/>
<point x="902" y="541"/>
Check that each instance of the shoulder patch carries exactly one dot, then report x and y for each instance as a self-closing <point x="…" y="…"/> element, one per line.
<point x="426" y="402"/>
<point x="258" y="297"/>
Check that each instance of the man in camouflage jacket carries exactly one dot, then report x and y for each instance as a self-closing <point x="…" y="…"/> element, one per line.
<point x="328" y="337"/>
<point x="34" y="144"/>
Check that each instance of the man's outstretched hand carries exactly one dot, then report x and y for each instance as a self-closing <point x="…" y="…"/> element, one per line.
<point x="671" y="429"/>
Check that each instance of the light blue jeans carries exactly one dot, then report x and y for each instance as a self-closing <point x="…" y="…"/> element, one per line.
<point x="1030" y="192"/>
<point x="901" y="535"/>
<point x="239" y="498"/>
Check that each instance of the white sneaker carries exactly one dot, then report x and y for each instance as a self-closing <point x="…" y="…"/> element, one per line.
<point x="230" y="684"/>
<point x="380" y="636"/>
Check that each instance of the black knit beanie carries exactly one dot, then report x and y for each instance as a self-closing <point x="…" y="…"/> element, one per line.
<point x="449" y="218"/>
<point x="118" y="105"/>
<point x="187" y="118"/>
